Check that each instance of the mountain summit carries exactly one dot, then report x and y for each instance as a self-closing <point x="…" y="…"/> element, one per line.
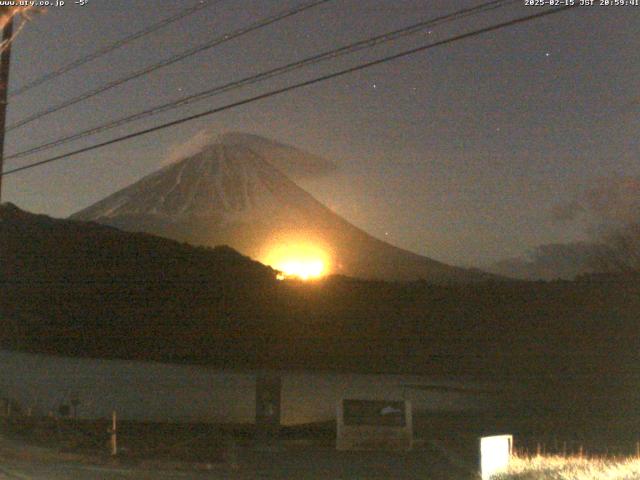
<point x="232" y="193"/>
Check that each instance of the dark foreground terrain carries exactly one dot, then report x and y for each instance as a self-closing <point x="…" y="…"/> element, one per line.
<point x="55" y="449"/>
<point x="445" y="448"/>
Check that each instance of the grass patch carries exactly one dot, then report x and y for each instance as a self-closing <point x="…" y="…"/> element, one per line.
<point x="571" y="468"/>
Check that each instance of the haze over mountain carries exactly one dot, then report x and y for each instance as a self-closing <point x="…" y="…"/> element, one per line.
<point x="234" y="192"/>
<point x="609" y="212"/>
<point x="551" y="262"/>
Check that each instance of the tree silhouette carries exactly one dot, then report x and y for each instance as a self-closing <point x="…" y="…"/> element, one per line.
<point x="619" y="250"/>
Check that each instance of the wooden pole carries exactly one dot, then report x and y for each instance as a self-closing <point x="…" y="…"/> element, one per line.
<point x="5" y="58"/>
<point x="114" y="435"/>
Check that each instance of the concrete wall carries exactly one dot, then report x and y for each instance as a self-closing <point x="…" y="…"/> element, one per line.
<point x="166" y="392"/>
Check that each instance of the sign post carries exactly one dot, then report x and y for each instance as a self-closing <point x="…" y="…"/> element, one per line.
<point x="268" y="408"/>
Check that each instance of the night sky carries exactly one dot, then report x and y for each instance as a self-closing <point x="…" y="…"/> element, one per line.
<point x="467" y="153"/>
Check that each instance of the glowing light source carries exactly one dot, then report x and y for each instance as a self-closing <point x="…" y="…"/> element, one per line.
<point x="298" y="260"/>
<point x="304" y="269"/>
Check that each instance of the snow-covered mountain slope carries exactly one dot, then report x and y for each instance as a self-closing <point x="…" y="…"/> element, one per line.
<point x="293" y="162"/>
<point x="231" y="193"/>
<point x="223" y="183"/>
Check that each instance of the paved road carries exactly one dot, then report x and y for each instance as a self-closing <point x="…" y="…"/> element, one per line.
<point x="34" y="471"/>
<point x="303" y="464"/>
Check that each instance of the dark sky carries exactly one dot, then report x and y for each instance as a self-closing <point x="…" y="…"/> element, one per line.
<point x="460" y="153"/>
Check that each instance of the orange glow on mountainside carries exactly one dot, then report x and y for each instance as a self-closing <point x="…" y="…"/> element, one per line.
<point x="298" y="260"/>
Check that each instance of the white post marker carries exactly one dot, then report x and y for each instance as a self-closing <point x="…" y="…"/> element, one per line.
<point x="495" y="454"/>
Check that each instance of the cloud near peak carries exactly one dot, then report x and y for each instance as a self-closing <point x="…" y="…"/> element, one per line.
<point x="293" y="162"/>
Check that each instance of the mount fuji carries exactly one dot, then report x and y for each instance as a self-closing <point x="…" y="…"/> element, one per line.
<point x="235" y="192"/>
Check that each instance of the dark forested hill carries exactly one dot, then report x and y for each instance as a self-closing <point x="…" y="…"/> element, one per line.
<point x="85" y="289"/>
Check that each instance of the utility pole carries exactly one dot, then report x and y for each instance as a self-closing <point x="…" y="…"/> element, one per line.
<point x="5" y="57"/>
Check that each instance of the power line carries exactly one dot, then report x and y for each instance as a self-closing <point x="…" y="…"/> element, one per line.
<point x="327" y="55"/>
<point x="169" y="61"/>
<point x="113" y="46"/>
<point x="296" y="86"/>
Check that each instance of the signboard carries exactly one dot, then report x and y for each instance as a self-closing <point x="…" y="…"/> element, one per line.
<point x="374" y="412"/>
<point x="374" y="425"/>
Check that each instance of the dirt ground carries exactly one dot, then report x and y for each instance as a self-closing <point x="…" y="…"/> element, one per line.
<point x="291" y="457"/>
<point x="444" y="448"/>
<point x="299" y="463"/>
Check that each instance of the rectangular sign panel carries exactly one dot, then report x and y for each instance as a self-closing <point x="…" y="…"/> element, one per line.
<point x="374" y="412"/>
<point x="374" y="425"/>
